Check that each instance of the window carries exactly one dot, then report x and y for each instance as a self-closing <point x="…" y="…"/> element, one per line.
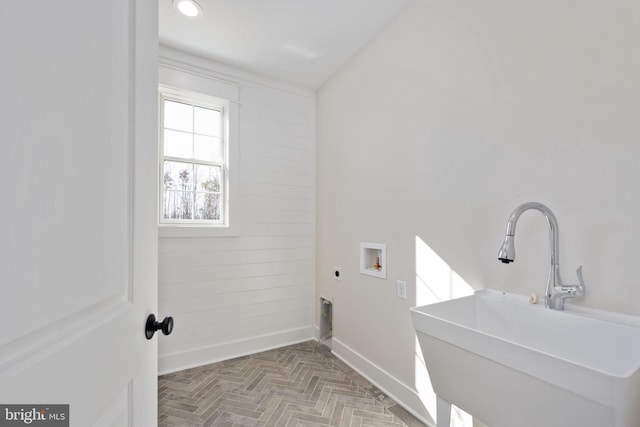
<point x="194" y="165"/>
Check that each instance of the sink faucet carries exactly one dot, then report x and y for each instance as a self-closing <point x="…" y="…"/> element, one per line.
<point x="556" y="293"/>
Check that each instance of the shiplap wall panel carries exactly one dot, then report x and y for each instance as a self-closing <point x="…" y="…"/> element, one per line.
<point x="277" y="192"/>
<point x="278" y="202"/>
<point x="225" y="292"/>
<point x="235" y="285"/>
<point x="214" y="272"/>
<point x="236" y="299"/>
<point x="195" y="259"/>
<point x="189" y="245"/>
<point x="292" y="152"/>
<point x="245" y="327"/>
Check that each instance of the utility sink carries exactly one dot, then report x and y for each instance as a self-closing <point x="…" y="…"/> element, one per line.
<point x="509" y="362"/>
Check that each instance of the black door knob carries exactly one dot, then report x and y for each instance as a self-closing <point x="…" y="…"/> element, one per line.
<point x="152" y="326"/>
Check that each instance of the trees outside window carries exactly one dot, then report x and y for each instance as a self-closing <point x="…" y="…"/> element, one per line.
<point x="193" y="166"/>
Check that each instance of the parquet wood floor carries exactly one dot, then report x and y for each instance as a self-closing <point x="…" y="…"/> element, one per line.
<point x="299" y="385"/>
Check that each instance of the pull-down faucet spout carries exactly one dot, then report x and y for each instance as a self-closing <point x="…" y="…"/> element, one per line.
<point x="555" y="292"/>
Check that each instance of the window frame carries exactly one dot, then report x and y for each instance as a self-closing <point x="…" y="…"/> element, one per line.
<point x="203" y="101"/>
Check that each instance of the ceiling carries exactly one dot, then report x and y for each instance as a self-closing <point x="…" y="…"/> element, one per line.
<point x="302" y="42"/>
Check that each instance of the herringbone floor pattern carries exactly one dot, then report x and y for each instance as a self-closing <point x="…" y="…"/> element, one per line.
<point x="298" y="385"/>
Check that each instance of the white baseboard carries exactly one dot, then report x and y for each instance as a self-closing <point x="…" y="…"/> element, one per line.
<point x="404" y="395"/>
<point x="168" y="363"/>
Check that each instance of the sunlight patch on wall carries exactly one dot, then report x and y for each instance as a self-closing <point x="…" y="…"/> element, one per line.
<point x="435" y="282"/>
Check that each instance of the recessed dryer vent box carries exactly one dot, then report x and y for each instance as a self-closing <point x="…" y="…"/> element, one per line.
<point x="373" y="259"/>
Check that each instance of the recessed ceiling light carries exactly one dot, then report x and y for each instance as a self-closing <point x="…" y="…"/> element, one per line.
<point x="188" y="8"/>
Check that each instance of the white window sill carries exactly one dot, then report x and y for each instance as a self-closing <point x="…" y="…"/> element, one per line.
<point x="173" y="230"/>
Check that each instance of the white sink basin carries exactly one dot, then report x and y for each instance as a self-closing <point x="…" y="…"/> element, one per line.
<point x="511" y="363"/>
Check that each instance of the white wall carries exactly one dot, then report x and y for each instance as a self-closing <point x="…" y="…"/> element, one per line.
<point x="455" y="114"/>
<point x="237" y="295"/>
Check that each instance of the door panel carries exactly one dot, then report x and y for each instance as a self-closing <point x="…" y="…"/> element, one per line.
<point x="70" y="141"/>
<point x="78" y="193"/>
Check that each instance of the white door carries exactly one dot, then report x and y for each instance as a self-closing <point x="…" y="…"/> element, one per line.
<point x="78" y="207"/>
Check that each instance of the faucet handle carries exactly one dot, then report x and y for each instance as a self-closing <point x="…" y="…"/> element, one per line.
<point x="580" y="287"/>
<point x="580" y="278"/>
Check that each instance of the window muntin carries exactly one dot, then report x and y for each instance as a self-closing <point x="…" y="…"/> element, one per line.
<point x="194" y="160"/>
